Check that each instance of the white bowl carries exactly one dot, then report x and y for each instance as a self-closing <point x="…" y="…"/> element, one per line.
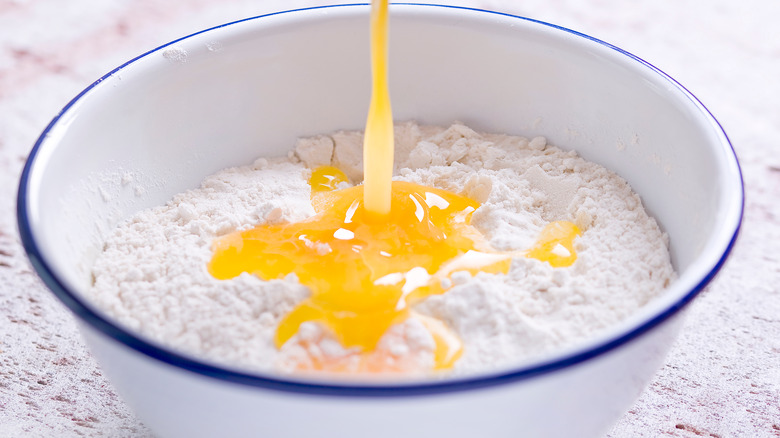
<point x="227" y="95"/>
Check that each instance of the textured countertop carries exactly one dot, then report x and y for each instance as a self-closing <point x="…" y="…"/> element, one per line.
<point x="721" y="379"/>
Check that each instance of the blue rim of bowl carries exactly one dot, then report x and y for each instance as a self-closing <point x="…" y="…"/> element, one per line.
<point x="110" y="329"/>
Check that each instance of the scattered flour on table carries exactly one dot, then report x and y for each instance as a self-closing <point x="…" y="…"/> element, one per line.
<point x="152" y="275"/>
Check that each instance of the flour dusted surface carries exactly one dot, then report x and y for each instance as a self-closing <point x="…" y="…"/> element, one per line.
<point x="152" y="274"/>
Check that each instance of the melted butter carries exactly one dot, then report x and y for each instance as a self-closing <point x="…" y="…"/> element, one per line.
<point x="555" y="244"/>
<point x="378" y="142"/>
<point x="326" y="178"/>
<point x="365" y="274"/>
<point x="372" y="252"/>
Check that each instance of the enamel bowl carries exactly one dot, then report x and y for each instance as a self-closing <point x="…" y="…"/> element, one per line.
<point x="225" y="96"/>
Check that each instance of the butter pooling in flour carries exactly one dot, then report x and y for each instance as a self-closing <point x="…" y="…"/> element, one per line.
<point x="371" y="252"/>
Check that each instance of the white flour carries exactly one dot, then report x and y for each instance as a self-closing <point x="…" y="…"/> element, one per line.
<point x="152" y="275"/>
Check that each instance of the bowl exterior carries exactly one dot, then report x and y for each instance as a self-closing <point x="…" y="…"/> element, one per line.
<point x="582" y="400"/>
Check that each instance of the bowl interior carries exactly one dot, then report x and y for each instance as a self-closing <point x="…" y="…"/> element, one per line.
<point x="223" y="97"/>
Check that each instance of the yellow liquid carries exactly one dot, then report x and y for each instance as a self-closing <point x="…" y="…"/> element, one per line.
<point x="556" y="244"/>
<point x="372" y="252"/>
<point x="366" y="275"/>
<point x="378" y="142"/>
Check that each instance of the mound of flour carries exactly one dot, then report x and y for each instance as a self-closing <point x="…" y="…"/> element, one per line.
<point x="152" y="273"/>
